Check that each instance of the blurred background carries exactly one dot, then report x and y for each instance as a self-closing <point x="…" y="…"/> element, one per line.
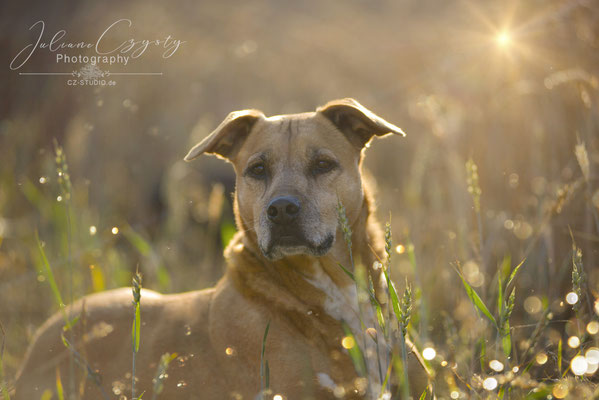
<point x="511" y="85"/>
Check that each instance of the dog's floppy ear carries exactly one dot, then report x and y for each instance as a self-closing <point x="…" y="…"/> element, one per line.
<point x="226" y="140"/>
<point x="356" y="122"/>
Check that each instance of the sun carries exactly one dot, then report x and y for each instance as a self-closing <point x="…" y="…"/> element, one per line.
<point x="503" y="39"/>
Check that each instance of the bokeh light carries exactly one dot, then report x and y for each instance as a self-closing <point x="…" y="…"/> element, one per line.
<point x="579" y="365"/>
<point x="490" y="383"/>
<point x="573" y="342"/>
<point x="541" y="358"/>
<point x="348" y="342"/>
<point x="571" y="298"/>
<point x="560" y="390"/>
<point x="496" y="365"/>
<point x="429" y="353"/>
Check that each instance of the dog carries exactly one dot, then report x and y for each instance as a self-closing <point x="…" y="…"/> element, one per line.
<point x="275" y="322"/>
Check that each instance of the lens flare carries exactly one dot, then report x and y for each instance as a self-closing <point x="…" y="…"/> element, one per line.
<point x="503" y="39"/>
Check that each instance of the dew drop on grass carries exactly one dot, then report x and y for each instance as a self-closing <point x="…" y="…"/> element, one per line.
<point x="93" y="230"/>
<point x="533" y="304"/>
<point x="571" y="298"/>
<point x="591" y="368"/>
<point x="339" y="392"/>
<point x="592" y="356"/>
<point x="454" y="395"/>
<point x="573" y="342"/>
<point x="560" y="391"/>
<point x="230" y="351"/>
<point x="541" y="358"/>
<point x="187" y="330"/>
<point x="114" y="230"/>
<point x="496" y="365"/>
<point x="579" y="365"/>
<point x="181" y="384"/>
<point x="429" y="353"/>
<point x="43" y="179"/>
<point x="593" y="327"/>
<point x="490" y="383"/>
<point x="348" y="342"/>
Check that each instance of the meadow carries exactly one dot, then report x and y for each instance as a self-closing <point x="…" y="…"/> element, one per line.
<point x="492" y="198"/>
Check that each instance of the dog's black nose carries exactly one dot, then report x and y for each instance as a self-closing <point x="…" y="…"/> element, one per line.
<point x="283" y="210"/>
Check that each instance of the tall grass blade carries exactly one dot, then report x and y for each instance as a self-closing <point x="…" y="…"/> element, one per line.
<point x="82" y="362"/>
<point x="161" y="374"/>
<point x="140" y="244"/>
<point x="264" y="369"/>
<point x="559" y="356"/>
<point x="52" y="281"/>
<point x="483" y="352"/>
<point x="47" y="395"/>
<point x="511" y="281"/>
<point x="476" y="300"/>
<point x="394" y="297"/>
<point x="136" y="326"/>
<point x="355" y="352"/>
<point x="347" y="272"/>
<point x="2" y="380"/>
<point x="59" y="388"/>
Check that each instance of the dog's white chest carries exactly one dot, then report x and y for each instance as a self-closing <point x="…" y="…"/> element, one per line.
<point x="342" y="304"/>
<point x="339" y="303"/>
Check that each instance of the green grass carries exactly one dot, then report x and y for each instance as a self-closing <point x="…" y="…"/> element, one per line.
<point x="498" y="367"/>
<point x="465" y="365"/>
<point x="135" y="328"/>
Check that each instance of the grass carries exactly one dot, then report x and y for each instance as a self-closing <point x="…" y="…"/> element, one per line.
<point x="135" y="328"/>
<point x="3" y="388"/>
<point x="264" y="368"/>
<point x="494" y="361"/>
<point x="504" y="370"/>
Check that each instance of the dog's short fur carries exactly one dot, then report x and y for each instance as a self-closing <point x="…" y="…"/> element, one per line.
<point x="282" y="267"/>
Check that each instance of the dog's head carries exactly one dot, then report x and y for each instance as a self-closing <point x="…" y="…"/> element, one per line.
<point x="292" y="171"/>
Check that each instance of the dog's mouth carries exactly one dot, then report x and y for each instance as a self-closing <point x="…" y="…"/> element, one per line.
<point x="287" y="244"/>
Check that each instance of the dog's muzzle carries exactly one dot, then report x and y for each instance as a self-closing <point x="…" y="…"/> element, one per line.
<point x="283" y="210"/>
<point x="287" y="237"/>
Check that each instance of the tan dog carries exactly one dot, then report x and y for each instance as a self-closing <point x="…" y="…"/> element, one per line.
<point x="282" y="268"/>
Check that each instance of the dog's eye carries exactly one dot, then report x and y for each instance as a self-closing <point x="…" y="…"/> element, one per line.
<point x="257" y="170"/>
<point x="323" y="166"/>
